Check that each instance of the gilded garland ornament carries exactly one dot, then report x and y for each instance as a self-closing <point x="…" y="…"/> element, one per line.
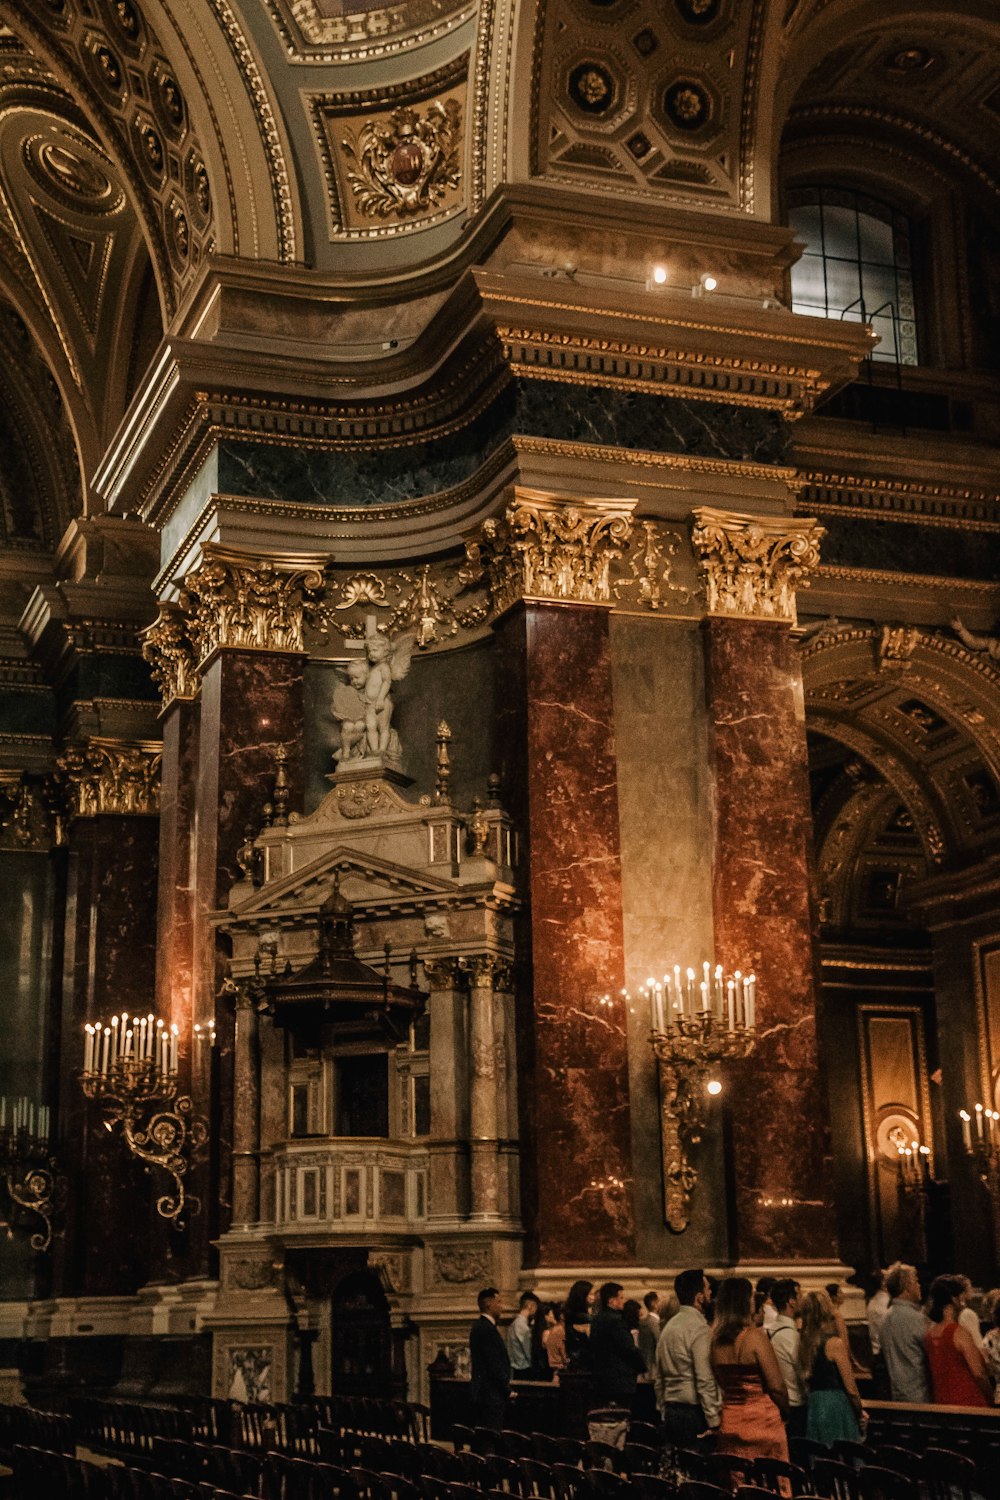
<point x="406" y="164"/>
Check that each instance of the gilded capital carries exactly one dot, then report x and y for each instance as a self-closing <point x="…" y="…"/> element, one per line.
<point x="168" y="648"/>
<point x="111" y="776"/>
<point x="542" y="548"/>
<point x="752" y="565"/>
<point x="246" y="603"/>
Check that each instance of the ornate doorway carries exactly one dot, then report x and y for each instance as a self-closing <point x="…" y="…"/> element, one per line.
<point x="360" y="1338"/>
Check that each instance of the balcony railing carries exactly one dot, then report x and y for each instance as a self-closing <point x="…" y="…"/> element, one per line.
<point x="356" y="1185"/>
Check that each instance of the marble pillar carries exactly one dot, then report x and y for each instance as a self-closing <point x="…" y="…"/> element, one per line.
<point x="250" y="704"/>
<point x="110" y="961"/>
<point x="780" y="1148"/>
<point x="448" y="1196"/>
<point x="483" y="1107"/>
<point x="555" y="730"/>
<point x="246" y="1118"/>
<point x="174" y="921"/>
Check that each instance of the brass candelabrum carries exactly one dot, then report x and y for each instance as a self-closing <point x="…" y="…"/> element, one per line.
<point x="130" y="1069"/>
<point x="697" y="1027"/>
<point x="981" y="1139"/>
<point x="27" y="1166"/>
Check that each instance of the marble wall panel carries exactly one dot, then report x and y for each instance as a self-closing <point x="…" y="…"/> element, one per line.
<point x="555" y="738"/>
<point x="763" y="922"/>
<point x="665" y="813"/>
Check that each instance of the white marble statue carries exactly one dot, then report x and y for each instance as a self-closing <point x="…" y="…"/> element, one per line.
<point x="362" y="701"/>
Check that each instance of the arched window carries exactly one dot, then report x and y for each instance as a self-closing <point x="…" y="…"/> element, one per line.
<point x="856" y="266"/>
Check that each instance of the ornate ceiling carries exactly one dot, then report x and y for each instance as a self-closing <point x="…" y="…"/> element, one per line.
<point x="360" y="143"/>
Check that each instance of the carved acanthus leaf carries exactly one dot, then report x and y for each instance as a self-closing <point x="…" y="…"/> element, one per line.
<point x="111" y="776"/>
<point x="250" y="604"/>
<point x="753" y="565"/>
<point x="169" y="650"/>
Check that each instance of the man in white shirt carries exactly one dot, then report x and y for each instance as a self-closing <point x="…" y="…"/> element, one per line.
<point x="875" y="1310"/>
<point x="686" y="1392"/>
<point x="969" y="1319"/>
<point x="784" y="1335"/>
<point x="649" y="1331"/>
<point x="519" y="1337"/>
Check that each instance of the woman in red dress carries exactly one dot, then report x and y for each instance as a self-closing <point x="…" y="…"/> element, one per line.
<point x="754" y="1394"/>
<point x="958" y="1374"/>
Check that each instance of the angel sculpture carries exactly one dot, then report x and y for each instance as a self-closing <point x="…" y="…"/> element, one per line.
<point x="349" y="707"/>
<point x="388" y="662"/>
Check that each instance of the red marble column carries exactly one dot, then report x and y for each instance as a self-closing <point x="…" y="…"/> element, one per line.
<point x="556" y="739"/>
<point x="250" y="703"/>
<point x="110" y="960"/>
<point x="763" y="922"/>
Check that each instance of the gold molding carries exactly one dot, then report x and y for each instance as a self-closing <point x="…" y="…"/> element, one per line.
<point x="753" y="565"/>
<point x="111" y="776"/>
<point x="987" y="1062"/>
<point x="546" y="548"/>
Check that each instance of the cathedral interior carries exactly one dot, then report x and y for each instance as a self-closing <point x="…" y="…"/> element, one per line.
<point x="499" y="671"/>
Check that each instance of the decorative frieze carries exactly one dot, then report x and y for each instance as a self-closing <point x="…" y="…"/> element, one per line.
<point x="110" y="776"/>
<point x="542" y="548"/>
<point x="753" y="565"/>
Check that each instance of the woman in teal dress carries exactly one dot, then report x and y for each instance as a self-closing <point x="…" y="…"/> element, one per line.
<point x="834" y="1407"/>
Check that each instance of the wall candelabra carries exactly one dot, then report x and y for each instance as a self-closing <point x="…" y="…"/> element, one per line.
<point x="981" y="1139"/>
<point x="131" y="1069"/>
<point x="697" y="1027"/>
<point x="26" y="1165"/>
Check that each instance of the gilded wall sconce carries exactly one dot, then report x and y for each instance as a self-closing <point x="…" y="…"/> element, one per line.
<point x="27" y="1168"/>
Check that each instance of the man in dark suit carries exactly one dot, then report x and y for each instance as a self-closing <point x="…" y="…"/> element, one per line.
<point x="614" y="1359"/>
<point x="490" y="1363"/>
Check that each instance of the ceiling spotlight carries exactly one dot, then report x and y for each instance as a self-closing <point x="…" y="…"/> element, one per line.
<point x="714" y="1086"/>
<point x="709" y="283"/>
<point x="659" y="275"/>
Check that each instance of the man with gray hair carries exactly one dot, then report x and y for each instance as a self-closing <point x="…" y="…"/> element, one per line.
<point x="902" y="1336"/>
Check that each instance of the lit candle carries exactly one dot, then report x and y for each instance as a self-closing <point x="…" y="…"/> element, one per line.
<point x="690" y="991"/>
<point x="114" y="1035"/>
<point x="149" y="1035"/>
<point x="731" y="1003"/>
<point x="704" y="995"/>
<point x="677" y="987"/>
<point x="740" y="1013"/>
<point x="88" y="1048"/>
<point x="661" y="1018"/>
<point x="706" y="970"/>
<point x="979" y="1121"/>
<point x="751" y="999"/>
<point x="128" y="1042"/>
<point x="105" y="1049"/>
<point x="719" y="998"/>
<point x="173" y="1049"/>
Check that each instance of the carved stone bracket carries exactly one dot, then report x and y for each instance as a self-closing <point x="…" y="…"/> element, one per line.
<point x="110" y="776"/>
<point x="248" y="603"/>
<point x="752" y="565"/>
<point x="542" y="548"/>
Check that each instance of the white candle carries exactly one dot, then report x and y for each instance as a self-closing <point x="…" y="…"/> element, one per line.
<point x="751" y="1000"/>
<point x="706" y="970"/>
<point x="690" y="991"/>
<point x="966" y="1129"/>
<point x="704" y="995"/>
<point x="105" y="1049"/>
<point x="979" y="1121"/>
<point x="661" y="1019"/>
<point x="740" y="1011"/>
<point x="88" y="1047"/>
<point x="669" y="992"/>
<point x="731" y="1003"/>
<point x="719" y="999"/>
<point x="173" y="1049"/>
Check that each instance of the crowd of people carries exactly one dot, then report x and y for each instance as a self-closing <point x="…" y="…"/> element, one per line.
<point x="745" y="1366"/>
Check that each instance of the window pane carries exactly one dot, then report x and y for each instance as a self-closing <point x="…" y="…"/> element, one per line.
<point x="362" y="1089"/>
<point x="876" y="240"/>
<point x="808" y="284"/>
<point x="843" y="285"/>
<point x="840" y="232"/>
<point x="806" y="223"/>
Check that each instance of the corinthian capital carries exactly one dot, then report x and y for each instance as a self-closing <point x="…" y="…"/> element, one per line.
<point x="111" y="776"/>
<point x="542" y="548"/>
<point x="248" y="603"/>
<point x="167" y="647"/>
<point x="753" y="565"/>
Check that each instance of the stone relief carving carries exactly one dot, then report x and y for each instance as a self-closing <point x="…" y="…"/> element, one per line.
<point x="406" y="164"/>
<point x="990" y="644"/>
<point x="392" y="1267"/>
<point x="895" y="646"/>
<point x="246" y="1275"/>
<point x="458" y="1266"/>
<point x="752" y="565"/>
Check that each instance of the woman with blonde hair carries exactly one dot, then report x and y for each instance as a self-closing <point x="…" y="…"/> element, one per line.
<point x="754" y="1394"/>
<point x="833" y="1409"/>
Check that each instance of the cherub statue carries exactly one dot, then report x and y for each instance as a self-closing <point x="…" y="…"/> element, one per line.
<point x="350" y="708"/>
<point x="388" y="662"/>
